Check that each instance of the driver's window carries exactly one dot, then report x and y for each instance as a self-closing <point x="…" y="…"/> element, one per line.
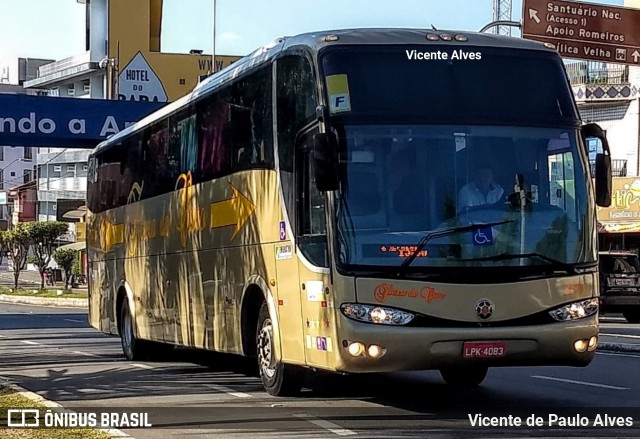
<point x="562" y="185"/>
<point x="312" y="233"/>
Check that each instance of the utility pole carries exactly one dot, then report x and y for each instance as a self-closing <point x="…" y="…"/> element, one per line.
<point x="502" y="12"/>
<point x="213" y="51"/>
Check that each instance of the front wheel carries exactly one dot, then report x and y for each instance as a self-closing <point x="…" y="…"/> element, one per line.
<point x="464" y="377"/>
<point x="632" y="316"/>
<point x="278" y="379"/>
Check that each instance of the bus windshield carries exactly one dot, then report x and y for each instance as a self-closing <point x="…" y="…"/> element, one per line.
<point x="431" y="145"/>
<point x="401" y="182"/>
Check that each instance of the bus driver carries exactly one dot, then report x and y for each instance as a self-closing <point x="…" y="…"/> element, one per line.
<point x="480" y="191"/>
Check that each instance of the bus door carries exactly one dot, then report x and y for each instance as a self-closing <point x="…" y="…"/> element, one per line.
<point x="313" y="258"/>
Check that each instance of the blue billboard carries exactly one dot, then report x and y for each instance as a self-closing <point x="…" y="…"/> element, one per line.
<point x="66" y="122"/>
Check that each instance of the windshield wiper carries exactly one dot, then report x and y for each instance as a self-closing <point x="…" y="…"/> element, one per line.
<point x="444" y="232"/>
<point x="506" y="256"/>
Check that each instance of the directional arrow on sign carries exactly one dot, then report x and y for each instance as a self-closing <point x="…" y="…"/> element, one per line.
<point x="533" y="15"/>
<point x="636" y="56"/>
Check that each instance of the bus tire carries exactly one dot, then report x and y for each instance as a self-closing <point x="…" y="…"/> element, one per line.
<point x="278" y="379"/>
<point x="632" y="316"/>
<point x="464" y="377"/>
<point x="132" y="347"/>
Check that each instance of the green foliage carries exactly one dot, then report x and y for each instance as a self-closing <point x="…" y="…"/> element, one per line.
<point x="76" y="269"/>
<point x="18" y="240"/>
<point x="46" y="232"/>
<point x="65" y="258"/>
<point x="32" y="260"/>
<point x="43" y="235"/>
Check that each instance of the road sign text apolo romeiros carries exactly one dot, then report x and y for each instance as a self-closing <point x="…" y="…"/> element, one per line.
<point x="585" y="30"/>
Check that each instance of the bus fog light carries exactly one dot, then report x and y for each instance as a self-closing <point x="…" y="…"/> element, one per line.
<point x="356" y="349"/>
<point x="580" y="345"/>
<point x="376" y="351"/>
<point x="593" y="343"/>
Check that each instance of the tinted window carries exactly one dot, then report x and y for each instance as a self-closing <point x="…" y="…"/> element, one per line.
<point x="619" y="264"/>
<point x="228" y="131"/>
<point x="296" y="104"/>
<point x="235" y="127"/>
<point x="504" y="86"/>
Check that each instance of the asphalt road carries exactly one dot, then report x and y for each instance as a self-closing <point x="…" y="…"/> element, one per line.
<point x="54" y="353"/>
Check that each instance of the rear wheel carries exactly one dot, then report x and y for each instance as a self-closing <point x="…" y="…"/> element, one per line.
<point x="132" y="347"/>
<point x="278" y="379"/>
<point x="464" y="377"/>
<point x="632" y="316"/>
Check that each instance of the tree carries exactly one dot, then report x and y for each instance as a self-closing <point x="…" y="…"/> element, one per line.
<point x="43" y="236"/>
<point x="17" y="242"/>
<point x="65" y="258"/>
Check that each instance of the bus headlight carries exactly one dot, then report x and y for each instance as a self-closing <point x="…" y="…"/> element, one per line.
<point x="575" y="310"/>
<point x="382" y="315"/>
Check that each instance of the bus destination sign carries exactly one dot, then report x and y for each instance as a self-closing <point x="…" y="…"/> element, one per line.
<point x="585" y="30"/>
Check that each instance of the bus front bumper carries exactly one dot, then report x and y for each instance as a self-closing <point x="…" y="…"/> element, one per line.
<point x="419" y="348"/>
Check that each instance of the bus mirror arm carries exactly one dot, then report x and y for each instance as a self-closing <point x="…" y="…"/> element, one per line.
<point x="322" y="114"/>
<point x="603" y="164"/>
<point x="325" y="161"/>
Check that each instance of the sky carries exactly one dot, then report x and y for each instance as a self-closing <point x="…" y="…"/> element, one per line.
<point x="54" y="29"/>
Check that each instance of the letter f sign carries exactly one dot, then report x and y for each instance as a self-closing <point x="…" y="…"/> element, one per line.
<point x="340" y="102"/>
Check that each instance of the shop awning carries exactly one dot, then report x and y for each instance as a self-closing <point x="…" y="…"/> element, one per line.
<point x="81" y="245"/>
<point x="615" y="227"/>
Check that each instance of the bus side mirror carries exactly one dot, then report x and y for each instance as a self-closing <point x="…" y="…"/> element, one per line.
<point x="325" y="161"/>
<point x="603" y="164"/>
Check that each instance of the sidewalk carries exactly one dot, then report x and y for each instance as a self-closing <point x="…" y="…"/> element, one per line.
<point x="31" y="280"/>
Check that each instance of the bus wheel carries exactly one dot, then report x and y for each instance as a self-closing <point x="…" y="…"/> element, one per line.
<point x="133" y="348"/>
<point x="632" y="316"/>
<point x="464" y="377"/>
<point x="278" y="379"/>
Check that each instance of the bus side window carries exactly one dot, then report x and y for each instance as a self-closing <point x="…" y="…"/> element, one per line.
<point x="296" y="101"/>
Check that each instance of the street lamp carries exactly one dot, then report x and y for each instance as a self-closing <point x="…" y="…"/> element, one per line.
<point x="110" y="65"/>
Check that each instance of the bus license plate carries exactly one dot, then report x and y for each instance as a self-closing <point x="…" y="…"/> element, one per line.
<point x="482" y="349"/>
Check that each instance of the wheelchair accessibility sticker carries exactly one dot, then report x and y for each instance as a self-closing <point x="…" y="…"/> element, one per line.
<point x="483" y="236"/>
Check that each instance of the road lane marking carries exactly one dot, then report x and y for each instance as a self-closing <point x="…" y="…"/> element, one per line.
<point x="228" y="391"/>
<point x="612" y="354"/>
<point x="74" y="321"/>
<point x="584" y="383"/>
<point x="86" y="354"/>
<point x="330" y="426"/>
<point x="30" y="342"/>
<point x="619" y="335"/>
<point x="143" y="366"/>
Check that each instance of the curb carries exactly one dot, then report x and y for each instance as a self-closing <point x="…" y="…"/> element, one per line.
<point x="112" y="432"/>
<point x="45" y="301"/>
<point x="619" y="347"/>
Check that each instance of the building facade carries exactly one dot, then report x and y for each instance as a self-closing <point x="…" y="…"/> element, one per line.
<point x="17" y="163"/>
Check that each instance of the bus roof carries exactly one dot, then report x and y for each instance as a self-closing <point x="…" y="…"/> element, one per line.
<point x="315" y="41"/>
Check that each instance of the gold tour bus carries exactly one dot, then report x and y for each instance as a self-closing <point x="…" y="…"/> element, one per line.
<point x="364" y="200"/>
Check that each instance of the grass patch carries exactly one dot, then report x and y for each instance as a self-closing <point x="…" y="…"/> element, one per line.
<point x="68" y="294"/>
<point x="11" y="399"/>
